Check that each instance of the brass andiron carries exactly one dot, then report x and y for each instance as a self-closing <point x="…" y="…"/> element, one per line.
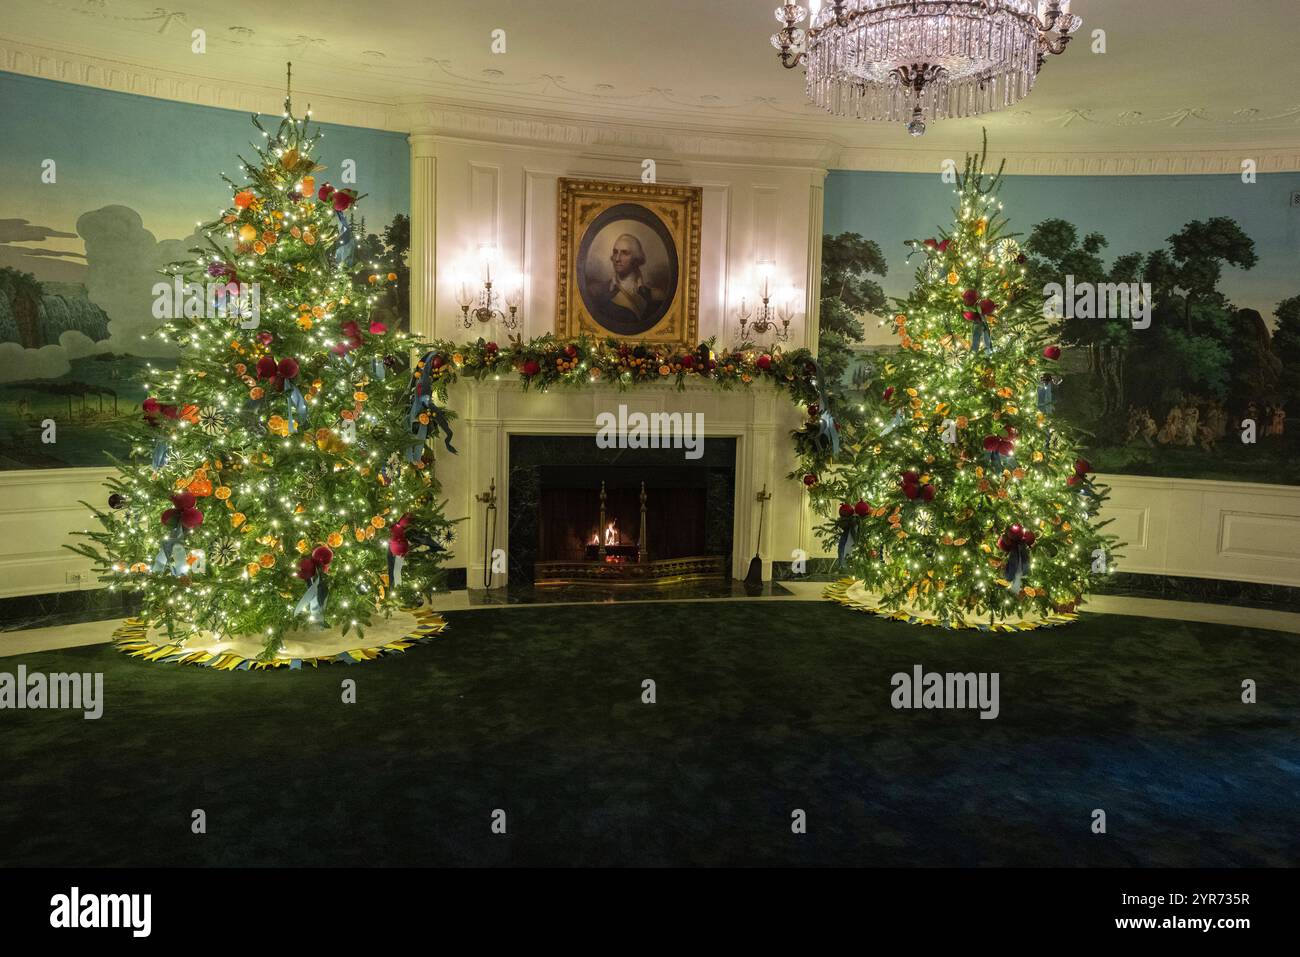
<point x="489" y="498"/>
<point x="601" y="528"/>
<point x="641" y="542"/>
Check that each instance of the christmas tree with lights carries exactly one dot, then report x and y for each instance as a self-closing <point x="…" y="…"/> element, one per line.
<point x="280" y="479"/>
<point x="966" y="502"/>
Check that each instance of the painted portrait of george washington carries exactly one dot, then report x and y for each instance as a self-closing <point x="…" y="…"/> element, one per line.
<point x="629" y="261"/>
<point x="627" y="269"/>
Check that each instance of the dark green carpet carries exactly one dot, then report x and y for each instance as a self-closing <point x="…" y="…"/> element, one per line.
<point x="763" y="707"/>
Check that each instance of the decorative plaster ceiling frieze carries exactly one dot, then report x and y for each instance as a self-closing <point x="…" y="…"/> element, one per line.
<point x="706" y="135"/>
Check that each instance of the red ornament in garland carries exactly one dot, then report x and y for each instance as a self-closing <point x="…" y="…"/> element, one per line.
<point x="764" y="362"/>
<point x="1052" y="352"/>
<point x="810" y="480"/>
<point x="862" y="508"/>
<point x="970" y="297"/>
<point x="846" y="510"/>
<point x="530" y="368"/>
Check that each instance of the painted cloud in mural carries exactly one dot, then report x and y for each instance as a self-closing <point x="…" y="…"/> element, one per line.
<point x="105" y="307"/>
<point x="123" y="262"/>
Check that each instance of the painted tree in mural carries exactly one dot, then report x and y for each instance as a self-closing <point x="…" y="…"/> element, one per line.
<point x="280" y="477"/>
<point x="966" y="500"/>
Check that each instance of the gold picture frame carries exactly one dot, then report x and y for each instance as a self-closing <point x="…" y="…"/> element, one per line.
<point x="629" y="261"/>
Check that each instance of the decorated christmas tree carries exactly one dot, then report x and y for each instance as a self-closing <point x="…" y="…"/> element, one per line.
<point x="966" y="502"/>
<point x="280" y="477"/>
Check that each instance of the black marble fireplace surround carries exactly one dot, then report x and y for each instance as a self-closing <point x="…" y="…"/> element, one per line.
<point x="689" y="502"/>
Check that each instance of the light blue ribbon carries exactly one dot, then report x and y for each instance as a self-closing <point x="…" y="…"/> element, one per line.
<point x="1018" y="566"/>
<point x="160" y="453"/>
<point x="166" y="559"/>
<point x="980" y="332"/>
<point x="346" y="247"/>
<point x="420" y="401"/>
<point x="830" y="433"/>
<point x="1046" y="397"/>
<point x="296" y="404"/>
<point x="898" y="420"/>
<point x="313" y="599"/>
<point x="846" y="544"/>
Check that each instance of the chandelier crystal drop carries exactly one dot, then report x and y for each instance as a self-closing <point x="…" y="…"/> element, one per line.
<point x="913" y="61"/>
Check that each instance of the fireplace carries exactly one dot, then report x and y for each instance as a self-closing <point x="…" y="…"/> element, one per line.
<point x="580" y="513"/>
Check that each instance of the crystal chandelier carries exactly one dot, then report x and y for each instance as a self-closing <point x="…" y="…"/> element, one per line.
<point x="913" y="60"/>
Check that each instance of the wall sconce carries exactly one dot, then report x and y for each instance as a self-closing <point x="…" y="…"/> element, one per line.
<point x="484" y="304"/>
<point x="767" y="317"/>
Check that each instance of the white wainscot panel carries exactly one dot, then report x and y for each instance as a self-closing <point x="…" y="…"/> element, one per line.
<point x="39" y="511"/>
<point x="1232" y="530"/>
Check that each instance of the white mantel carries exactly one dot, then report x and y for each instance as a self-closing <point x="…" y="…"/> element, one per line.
<point x="759" y="418"/>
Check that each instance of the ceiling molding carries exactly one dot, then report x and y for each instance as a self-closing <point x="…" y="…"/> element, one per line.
<point x="704" y="137"/>
<point x="86" y="68"/>
<point x="448" y="120"/>
<point x="1132" y="163"/>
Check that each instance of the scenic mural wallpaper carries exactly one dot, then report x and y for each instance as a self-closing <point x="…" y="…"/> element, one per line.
<point x="103" y="190"/>
<point x="1169" y="395"/>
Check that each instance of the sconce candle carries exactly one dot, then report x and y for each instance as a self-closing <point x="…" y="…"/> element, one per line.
<point x="487" y="308"/>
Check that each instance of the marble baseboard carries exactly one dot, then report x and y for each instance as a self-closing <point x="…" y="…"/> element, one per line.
<point x="65" y="608"/>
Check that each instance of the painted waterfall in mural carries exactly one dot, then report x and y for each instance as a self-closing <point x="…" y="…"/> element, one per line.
<point x="101" y="191"/>
<point x="1220" y="257"/>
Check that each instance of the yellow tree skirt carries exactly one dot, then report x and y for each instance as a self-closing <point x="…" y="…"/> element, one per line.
<point x="853" y="594"/>
<point x="307" y="647"/>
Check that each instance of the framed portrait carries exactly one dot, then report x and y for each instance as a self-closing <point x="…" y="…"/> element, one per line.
<point x="629" y="261"/>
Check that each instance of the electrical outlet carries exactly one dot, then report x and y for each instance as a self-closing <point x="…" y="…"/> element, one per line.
<point x="1295" y="200"/>
<point x="72" y="578"/>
